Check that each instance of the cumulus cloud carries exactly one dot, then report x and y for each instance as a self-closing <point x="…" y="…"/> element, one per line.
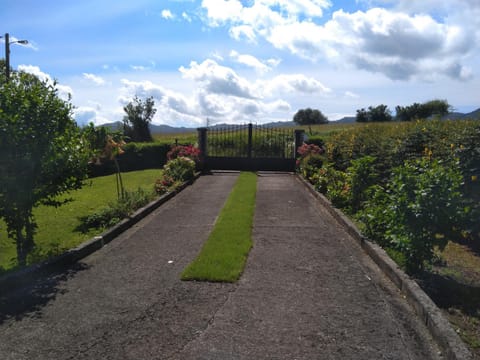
<point x="294" y="83"/>
<point x="219" y="94"/>
<point x="97" y="80"/>
<point x="64" y="91"/>
<point x="401" y="42"/>
<point x="253" y="62"/>
<point x="218" y="79"/>
<point x="167" y="14"/>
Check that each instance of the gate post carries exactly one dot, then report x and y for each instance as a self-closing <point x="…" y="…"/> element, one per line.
<point x="299" y="136"/>
<point x="202" y="145"/>
<point x="250" y="126"/>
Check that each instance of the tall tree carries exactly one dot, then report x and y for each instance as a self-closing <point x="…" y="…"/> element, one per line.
<point x="41" y="154"/>
<point x="138" y="116"/>
<point x="309" y="117"/>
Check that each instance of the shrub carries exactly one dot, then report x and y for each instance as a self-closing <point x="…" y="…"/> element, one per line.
<point x="164" y="185"/>
<point x="309" y="165"/>
<point x="361" y="176"/>
<point x="188" y="151"/>
<point x="421" y="207"/>
<point x="116" y="211"/>
<point x="333" y="183"/>
<point x="180" y="169"/>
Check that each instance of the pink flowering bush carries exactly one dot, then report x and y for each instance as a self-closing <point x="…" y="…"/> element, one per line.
<point x="310" y="161"/>
<point x="180" y="167"/>
<point x="186" y="151"/>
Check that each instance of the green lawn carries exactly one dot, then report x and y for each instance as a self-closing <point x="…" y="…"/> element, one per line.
<point x="223" y="256"/>
<point x="56" y="226"/>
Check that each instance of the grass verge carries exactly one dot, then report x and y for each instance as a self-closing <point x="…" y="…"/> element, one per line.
<point x="223" y="256"/>
<point x="57" y="227"/>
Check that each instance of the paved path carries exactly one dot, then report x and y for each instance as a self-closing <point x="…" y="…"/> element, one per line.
<point x="308" y="292"/>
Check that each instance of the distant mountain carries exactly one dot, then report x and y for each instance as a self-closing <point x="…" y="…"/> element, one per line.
<point x="155" y="129"/>
<point x="344" y="120"/>
<point x="166" y="129"/>
<point x="474" y="115"/>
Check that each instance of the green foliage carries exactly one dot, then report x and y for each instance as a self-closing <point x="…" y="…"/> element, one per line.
<point x="309" y="117"/>
<point x="418" y="111"/>
<point x="333" y="183"/>
<point x="116" y="211"/>
<point x="180" y="169"/>
<point x="316" y="140"/>
<point x="135" y="156"/>
<point x="224" y="255"/>
<point x="379" y="113"/>
<point x="139" y="114"/>
<point x="56" y="226"/>
<point x="421" y="207"/>
<point x="310" y="164"/>
<point x="43" y="154"/>
<point x="361" y="176"/>
<point x="413" y="185"/>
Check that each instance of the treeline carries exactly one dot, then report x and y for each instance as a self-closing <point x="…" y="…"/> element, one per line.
<point x="416" y="111"/>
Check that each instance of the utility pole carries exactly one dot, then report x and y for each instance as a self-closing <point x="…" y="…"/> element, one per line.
<point x="7" y="57"/>
<point x="7" y="53"/>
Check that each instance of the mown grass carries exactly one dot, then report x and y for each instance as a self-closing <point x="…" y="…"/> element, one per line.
<point x="223" y="256"/>
<point x="57" y="226"/>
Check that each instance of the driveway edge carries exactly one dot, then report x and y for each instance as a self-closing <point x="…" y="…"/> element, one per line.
<point x="440" y="328"/>
<point x="14" y="279"/>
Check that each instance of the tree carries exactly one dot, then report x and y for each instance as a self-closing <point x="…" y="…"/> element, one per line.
<point x="42" y="154"/>
<point x="139" y="115"/>
<point x="309" y="117"/>
<point x="423" y="111"/>
<point x="379" y="113"/>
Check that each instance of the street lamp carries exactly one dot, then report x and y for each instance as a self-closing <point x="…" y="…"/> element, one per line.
<point x="7" y="53"/>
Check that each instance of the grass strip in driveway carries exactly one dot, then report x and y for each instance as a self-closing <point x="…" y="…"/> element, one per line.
<point x="223" y="256"/>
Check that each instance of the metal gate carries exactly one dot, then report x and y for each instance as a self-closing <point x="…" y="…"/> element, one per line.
<point x="249" y="147"/>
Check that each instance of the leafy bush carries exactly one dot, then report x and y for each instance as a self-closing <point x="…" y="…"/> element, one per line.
<point x="136" y="156"/>
<point x="164" y="185"/>
<point x="333" y="183"/>
<point x="180" y="169"/>
<point x="421" y="207"/>
<point x="188" y="151"/>
<point x="114" y="212"/>
<point x="361" y="176"/>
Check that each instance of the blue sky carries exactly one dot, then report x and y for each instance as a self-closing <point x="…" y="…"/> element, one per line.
<point x="250" y="60"/>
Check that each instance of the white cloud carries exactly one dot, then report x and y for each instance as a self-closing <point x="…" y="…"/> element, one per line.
<point x="218" y="79"/>
<point x="97" y="80"/>
<point x="294" y="83"/>
<point x="351" y="95"/>
<point x="402" y="42"/>
<point x="167" y="14"/>
<point x="186" y="17"/>
<point x="64" y="91"/>
<point x="250" y="61"/>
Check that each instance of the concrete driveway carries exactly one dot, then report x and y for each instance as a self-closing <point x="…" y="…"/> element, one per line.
<point x="308" y="291"/>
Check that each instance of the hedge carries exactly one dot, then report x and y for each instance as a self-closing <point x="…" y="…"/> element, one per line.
<point x="137" y="156"/>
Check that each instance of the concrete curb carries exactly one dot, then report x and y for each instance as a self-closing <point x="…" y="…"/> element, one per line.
<point x="14" y="279"/>
<point x="452" y="346"/>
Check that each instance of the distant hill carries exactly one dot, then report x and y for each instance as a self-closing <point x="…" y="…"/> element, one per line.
<point x="166" y="129"/>
<point x="474" y="115"/>
<point x="345" y="120"/>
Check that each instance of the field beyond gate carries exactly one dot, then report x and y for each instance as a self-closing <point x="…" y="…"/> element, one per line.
<point x="249" y="147"/>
